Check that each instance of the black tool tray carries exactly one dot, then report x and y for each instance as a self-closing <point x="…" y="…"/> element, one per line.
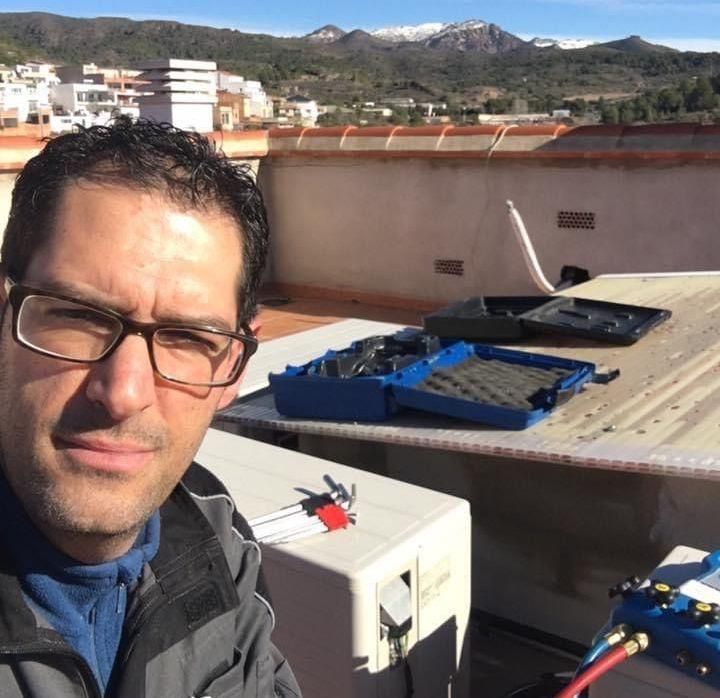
<point x="483" y="317"/>
<point x="504" y="318"/>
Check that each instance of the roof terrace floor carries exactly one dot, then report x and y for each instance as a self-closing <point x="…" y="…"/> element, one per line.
<point x="282" y="315"/>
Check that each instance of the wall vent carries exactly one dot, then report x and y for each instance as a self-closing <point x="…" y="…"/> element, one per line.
<point x="584" y="220"/>
<point x="449" y="266"/>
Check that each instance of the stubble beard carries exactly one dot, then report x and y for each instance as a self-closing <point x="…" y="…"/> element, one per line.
<point x="64" y="499"/>
<point x="84" y="505"/>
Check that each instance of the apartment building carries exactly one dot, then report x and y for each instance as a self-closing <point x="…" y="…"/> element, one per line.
<point x="83" y="98"/>
<point x="307" y="109"/>
<point x="180" y="92"/>
<point x="255" y="102"/>
<point x="14" y="102"/>
<point x="24" y="92"/>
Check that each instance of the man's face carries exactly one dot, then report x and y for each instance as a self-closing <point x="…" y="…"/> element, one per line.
<point x="96" y="448"/>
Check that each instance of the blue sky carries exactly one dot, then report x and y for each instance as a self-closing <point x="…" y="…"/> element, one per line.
<point x="685" y="24"/>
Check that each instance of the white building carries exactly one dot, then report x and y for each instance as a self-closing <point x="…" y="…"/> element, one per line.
<point x="180" y="92"/>
<point x="40" y="72"/>
<point x="83" y="98"/>
<point x="308" y="109"/>
<point x="404" y="102"/>
<point x="25" y="88"/>
<point x="377" y="111"/>
<point x="122" y="83"/>
<point x="14" y="98"/>
<point x="256" y="103"/>
<point x="39" y="96"/>
<point x="60" y="123"/>
<point x="431" y="108"/>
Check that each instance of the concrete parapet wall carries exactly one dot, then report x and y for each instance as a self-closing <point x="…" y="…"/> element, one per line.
<point x="388" y="211"/>
<point x="676" y="141"/>
<point x="383" y="210"/>
<point x="15" y="151"/>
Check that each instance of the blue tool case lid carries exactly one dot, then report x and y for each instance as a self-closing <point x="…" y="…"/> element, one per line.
<point x="379" y="376"/>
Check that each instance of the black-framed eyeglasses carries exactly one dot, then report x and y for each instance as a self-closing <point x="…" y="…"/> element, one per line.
<point x="61" y="327"/>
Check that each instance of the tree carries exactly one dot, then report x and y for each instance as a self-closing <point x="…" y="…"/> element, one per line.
<point x="626" y="113"/>
<point x="643" y="109"/>
<point x="610" y="114"/>
<point x="399" y="117"/>
<point x="577" y="107"/>
<point x="416" y="118"/>
<point x="669" y="101"/>
<point x="702" y="97"/>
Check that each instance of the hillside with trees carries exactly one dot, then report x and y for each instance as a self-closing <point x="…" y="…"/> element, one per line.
<point x="629" y="78"/>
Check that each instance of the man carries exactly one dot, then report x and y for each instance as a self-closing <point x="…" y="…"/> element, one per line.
<point x="130" y="265"/>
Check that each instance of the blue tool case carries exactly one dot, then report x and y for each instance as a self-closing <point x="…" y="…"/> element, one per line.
<point x="378" y="377"/>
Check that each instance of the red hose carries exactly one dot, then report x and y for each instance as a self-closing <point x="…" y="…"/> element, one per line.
<point x="594" y="672"/>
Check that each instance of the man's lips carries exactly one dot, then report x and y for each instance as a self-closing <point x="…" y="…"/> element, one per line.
<point x="105" y="454"/>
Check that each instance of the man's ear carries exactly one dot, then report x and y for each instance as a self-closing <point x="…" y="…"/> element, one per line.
<point x="230" y="392"/>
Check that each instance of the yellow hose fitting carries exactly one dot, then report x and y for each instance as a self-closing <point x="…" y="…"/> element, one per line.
<point x="618" y="634"/>
<point x="638" y="642"/>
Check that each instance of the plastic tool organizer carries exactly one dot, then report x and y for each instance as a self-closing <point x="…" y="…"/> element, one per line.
<point x="499" y="318"/>
<point x="379" y="376"/>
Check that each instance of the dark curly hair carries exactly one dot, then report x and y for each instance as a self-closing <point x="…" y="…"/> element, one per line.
<point x="184" y="166"/>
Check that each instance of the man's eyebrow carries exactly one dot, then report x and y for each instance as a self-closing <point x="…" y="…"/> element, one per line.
<point x="102" y="301"/>
<point x="214" y="321"/>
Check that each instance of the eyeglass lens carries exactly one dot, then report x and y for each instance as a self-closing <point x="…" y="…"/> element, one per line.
<point x="74" y="331"/>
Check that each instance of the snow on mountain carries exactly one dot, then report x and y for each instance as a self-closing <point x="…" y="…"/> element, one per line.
<point x="409" y="32"/>
<point x="326" y="34"/>
<point x="426" y="31"/>
<point x="459" y="27"/>
<point x="470" y="35"/>
<point x="474" y="36"/>
<point x="562" y="43"/>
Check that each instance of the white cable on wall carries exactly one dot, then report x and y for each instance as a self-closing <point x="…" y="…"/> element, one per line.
<point x="528" y="251"/>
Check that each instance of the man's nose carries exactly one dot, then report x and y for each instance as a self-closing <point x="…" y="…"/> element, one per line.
<point x="124" y="382"/>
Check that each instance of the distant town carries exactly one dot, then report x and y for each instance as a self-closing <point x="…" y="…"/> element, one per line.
<point x="41" y="99"/>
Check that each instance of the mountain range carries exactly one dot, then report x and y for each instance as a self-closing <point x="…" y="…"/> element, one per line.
<point x="462" y="63"/>
<point x="471" y="35"/>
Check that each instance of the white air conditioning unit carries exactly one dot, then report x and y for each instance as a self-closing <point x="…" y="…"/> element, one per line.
<point x="335" y="594"/>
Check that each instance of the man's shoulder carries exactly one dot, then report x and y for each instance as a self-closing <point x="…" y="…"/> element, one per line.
<point x="211" y="496"/>
<point x="208" y="494"/>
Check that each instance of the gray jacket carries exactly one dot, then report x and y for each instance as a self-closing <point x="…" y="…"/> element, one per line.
<point x="198" y="622"/>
